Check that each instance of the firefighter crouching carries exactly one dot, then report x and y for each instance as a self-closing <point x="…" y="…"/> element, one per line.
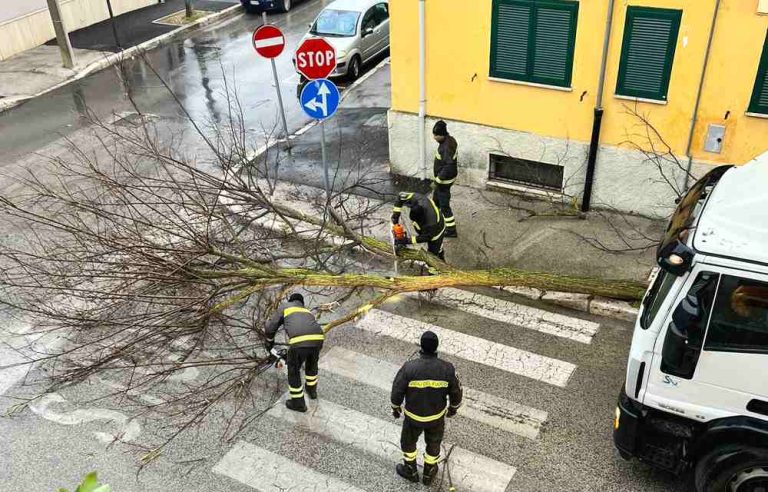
<point x="305" y="340"/>
<point x="424" y="383"/>
<point x="445" y="172"/>
<point x="426" y="219"/>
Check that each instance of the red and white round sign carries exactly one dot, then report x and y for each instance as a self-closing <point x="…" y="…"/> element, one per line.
<point x="315" y="58"/>
<point x="268" y="41"/>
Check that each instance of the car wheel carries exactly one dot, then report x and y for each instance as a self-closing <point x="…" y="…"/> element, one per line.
<point x="353" y="72"/>
<point x="733" y="469"/>
<point x="284" y="5"/>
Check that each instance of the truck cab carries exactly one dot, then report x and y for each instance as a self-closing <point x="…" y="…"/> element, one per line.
<point x="695" y="398"/>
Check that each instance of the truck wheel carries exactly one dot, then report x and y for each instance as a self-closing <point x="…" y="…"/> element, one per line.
<point x="733" y="469"/>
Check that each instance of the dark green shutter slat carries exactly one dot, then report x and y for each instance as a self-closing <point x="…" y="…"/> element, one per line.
<point x="647" y="52"/>
<point x="553" y="28"/>
<point x="759" y="101"/>
<point x="513" y="24"/>
<point x="533" y="40"/>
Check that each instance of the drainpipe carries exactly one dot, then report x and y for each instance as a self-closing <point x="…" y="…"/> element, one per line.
<point x="597" y="121"/>
<point x="695" y="116"/>
<point x="422" y="89"/>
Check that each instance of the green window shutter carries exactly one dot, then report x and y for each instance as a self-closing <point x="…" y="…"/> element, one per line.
<point x="647" y="53"/>
<point x="759" y="102"/>
<point x="534" y="40"/>
<point x="510" y="35"/>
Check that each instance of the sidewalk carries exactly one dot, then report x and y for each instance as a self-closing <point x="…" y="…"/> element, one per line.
<point x="39" y="70"/>
<point x="496" y="228"/>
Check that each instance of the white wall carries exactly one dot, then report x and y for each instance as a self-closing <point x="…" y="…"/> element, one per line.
<point x="25" y="24"/>
<point x="624" y="179"/>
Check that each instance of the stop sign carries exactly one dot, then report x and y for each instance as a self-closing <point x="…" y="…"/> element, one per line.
<point x="315" y="58"/>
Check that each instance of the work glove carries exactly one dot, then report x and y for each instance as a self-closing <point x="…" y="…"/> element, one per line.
<point x="451" y="412"/>
<point x="269" y="345"/>
<point x="403" y="241"/>
<point x="433" y="185"/>
<point x="396" y="412"/>
<point x="395" y="218"/>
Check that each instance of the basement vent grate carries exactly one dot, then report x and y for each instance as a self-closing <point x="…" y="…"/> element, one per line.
<point x="533" y="174"/>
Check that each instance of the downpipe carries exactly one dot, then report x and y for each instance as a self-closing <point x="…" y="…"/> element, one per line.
<point x="422" y="89"/>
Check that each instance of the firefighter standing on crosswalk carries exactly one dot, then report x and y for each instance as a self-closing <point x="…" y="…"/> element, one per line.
<point x="425" y="384"/>
<point x="445" y="172"/>
<point x="426" y="219"/>
<point x="305" y="340"/>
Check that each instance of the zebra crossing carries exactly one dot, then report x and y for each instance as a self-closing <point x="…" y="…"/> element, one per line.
<point x="359" y="432"/>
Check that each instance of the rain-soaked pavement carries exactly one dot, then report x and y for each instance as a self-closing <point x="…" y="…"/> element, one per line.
<point x="195" y="69"/>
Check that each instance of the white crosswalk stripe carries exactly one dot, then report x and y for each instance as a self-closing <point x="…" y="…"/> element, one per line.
<point x="269" y="472"/>
<point x="479" y="350"/>
<point x="491" y="410"/>
<point x="514" y="314"/>
<point x="470" y="471"/>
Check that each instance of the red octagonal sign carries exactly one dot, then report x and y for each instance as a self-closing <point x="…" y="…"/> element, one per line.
<point x="315" y="58"/>
<point x="268" y="41"/>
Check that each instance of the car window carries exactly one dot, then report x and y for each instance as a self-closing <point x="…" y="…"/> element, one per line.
<point x="369" y="19"/>
<point x="382" y="12"/>
<point x="740" y="319"/>
<point x="655" y="298"/>
<point x="335" y="23"/>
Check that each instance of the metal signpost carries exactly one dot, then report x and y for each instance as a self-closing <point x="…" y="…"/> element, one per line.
<point x="269" y="42"/>
<point x="320" y="100"/>
<point x="316" y="60"/>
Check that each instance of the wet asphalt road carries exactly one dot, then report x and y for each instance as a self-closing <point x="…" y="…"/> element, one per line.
<point x="195" y="69"/>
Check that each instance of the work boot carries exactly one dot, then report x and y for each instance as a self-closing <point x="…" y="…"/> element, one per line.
<point x="296" y="404"/>
<point x="451" y="233"/>
<point x="430" y="472"/>
<point x="311" y="391"/>
<point x="408" y="471"/>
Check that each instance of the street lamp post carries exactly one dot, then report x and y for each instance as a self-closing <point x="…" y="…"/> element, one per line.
<point x="62" y="36"/>
<point x="114" y="27"/>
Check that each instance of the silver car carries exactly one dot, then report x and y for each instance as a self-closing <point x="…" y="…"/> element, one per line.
<point x="357" y="29"/>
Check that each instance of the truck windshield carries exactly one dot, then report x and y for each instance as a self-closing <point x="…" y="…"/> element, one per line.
<point x="655" y="298"/>
<point x="342" y="23"/>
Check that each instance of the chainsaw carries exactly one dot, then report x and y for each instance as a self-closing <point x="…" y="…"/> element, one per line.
<point x="278" y="357"/>
<point x="397" y="233"/>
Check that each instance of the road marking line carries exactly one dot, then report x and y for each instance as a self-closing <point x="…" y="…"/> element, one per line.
<point x="470" y="471"/>
<point x="480" y="350"/>
<point x="488" y="409"/>
<point x="269" y="472"/>
<point x="515" y="314"/>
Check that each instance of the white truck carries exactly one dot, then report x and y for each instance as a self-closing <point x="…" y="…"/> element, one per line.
<point x="695" y="399"/>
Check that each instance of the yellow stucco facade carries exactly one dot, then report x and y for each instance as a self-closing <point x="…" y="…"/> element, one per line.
<point x="459" y="87"/>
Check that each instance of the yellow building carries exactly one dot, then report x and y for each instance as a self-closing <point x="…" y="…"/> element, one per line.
<point x="517" y="81"/>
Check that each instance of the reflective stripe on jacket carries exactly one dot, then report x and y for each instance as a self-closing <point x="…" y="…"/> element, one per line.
<point x="425" y="384"/>
<point x="300" y="324"/>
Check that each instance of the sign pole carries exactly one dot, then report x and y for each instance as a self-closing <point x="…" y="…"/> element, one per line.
<point x="277" y="87"/>
<point x="325" y="163"/>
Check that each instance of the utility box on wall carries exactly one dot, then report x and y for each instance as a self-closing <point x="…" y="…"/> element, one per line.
<point x="714" y="140"/>
<point x="762" y="7"/>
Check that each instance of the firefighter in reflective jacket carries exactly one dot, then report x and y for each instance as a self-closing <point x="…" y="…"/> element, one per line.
<point x="445" y="172"/>
<point x="426" y="219"/>
<point x="305" y="339"/>
<point x="424" y="383"/>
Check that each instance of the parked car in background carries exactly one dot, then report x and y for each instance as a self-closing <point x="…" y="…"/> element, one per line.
<point x="259" y="6"/>
<point x="357" y="29"/>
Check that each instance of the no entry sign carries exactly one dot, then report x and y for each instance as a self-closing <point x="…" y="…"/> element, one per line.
<point x="315" y="58"/>
<point x="268" y="41"/>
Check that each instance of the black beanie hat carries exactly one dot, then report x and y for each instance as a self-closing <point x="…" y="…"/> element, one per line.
<point x="440" y="129"/>
<point x="429" y="342"/>
<point x="296" y="297"/>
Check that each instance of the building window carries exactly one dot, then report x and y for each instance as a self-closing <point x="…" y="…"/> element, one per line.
<point x="759" y="102"/>
<point x="528" y="173"/>
<point x="650" y="37"/>
<point x="533" y="40"/>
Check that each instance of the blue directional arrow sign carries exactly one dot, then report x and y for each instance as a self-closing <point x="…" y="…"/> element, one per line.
<point x="320" y="99"/>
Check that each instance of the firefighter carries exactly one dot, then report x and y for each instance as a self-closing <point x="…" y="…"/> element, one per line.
<point x="445" y="170"/>
<point x="305" y="339"/>
<point x="426" y="219"/>
<point x="424" y="383"/>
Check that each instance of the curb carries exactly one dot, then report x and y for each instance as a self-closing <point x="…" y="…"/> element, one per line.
<point x="114" y="58"/>
<point x="599" y="306"/>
